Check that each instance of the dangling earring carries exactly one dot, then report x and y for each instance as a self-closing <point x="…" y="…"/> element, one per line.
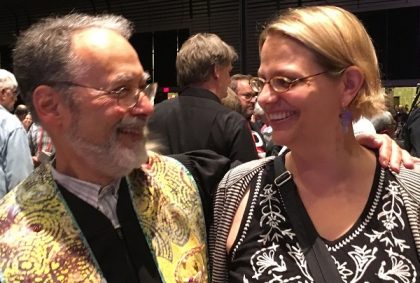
<point x="346" y="118"/>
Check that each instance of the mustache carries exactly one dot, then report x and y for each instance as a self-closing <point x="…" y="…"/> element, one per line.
<point x="131" y="122"/>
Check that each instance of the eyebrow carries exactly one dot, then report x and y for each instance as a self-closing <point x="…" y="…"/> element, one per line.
<point x="128" y="77"/>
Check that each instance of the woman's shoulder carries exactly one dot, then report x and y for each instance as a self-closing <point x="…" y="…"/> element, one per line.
<point x="411" y="178"/>
<point x="244" y="169"/>
<point x="410" y="182"/>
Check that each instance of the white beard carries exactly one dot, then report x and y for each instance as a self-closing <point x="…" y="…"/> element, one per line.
<point x="110" y="157"/>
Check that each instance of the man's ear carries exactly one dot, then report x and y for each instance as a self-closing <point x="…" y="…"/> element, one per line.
<point x="47" y="104"/>
<point x="352" y="79"/>
<point x="216" y="71"/>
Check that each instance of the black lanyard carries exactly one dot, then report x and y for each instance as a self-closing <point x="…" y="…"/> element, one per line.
<point x="320" y="262"/>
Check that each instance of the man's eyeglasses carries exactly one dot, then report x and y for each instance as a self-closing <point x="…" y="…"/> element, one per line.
<point x="279" y="84"/>
<point x="126" y="97"/>
<point x="13" y="91"/>
<point x="249" y="96"/>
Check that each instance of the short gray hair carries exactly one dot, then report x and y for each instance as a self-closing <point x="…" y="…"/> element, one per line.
<point x="198" y="55"/>
<point x="238" y="77"/>
<point x="7" y="80"/>
<point x="43" y="52"/>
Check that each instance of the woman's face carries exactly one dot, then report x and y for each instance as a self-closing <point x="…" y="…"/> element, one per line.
<point x="310" y="107"/>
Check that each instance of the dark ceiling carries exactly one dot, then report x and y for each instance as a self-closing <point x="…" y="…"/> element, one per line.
<point x="238" y="22"/>
<point x="18" y="14"/>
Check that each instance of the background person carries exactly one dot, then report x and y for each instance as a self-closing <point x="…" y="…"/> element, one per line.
<point x="384" y="123"/>
<point x="239" y="83"/>
<point x="21" y="111"/>
<point x="196" y="119"/>
<point x="231" y="101"/>
<point x="40" y="144"/>
<point x="15" y="158"/>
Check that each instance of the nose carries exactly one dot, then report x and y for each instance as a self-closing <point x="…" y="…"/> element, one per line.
<point x="144" y="107"/>
<point x="267" y="96"/>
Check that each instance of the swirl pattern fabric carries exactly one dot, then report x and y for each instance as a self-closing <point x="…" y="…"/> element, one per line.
<point x="41" y="242"/>
<point x="172" y="219"/>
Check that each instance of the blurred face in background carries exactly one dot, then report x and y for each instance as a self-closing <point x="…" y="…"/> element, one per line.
<point x="27" y="121"/>
<point x="247" y="97"/>
<point x="8" y="98"/>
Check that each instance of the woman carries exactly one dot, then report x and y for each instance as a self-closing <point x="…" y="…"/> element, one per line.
<point x="326" y="207"/>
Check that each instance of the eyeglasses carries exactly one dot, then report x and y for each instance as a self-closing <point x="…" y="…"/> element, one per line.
<point x="249" y="96"/>
<point x="279" y="84"/>
<point x="13" y="91"/>
<point x="126" y="97"/>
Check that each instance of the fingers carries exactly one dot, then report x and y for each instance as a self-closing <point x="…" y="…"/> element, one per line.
<point x="396" y="157"/>
<point x="390" y="153"/>
<point x="408" y="161"/>
<point x="370" y="141"/>
<point x="386" y="151"/>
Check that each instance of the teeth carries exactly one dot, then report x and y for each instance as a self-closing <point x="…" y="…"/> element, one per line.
<point x="281" y="115"/>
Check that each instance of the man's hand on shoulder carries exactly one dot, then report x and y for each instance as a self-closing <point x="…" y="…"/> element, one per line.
<point x="390" y="153"/>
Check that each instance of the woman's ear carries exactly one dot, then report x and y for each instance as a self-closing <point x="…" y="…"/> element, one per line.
<point x="47" y="104"/>
<point x="352" y="79"/>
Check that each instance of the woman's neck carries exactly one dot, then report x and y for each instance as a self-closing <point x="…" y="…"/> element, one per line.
<point x="329" y="162"/>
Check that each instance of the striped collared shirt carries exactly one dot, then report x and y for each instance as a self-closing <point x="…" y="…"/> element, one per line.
<point x="102" y="198"/>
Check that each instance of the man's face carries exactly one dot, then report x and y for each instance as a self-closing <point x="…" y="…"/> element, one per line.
<point x="9" y="97"/>
<point x="101" y="131"/>
<point x="247" y="97"/>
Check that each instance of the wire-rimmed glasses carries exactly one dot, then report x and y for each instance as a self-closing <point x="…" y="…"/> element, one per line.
<point x="126" y="97"/>
<point x="278" y="83"/>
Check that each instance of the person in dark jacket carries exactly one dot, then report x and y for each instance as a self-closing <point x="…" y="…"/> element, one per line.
<point x="412" y="135"/>
<point x="196" y="119"/>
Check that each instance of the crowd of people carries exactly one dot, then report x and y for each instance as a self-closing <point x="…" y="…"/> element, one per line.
<point x="115" y="189"/>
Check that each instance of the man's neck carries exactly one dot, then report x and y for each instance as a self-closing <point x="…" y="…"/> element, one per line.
<point x="208" y="85"/>
<point x="83" y="173"/>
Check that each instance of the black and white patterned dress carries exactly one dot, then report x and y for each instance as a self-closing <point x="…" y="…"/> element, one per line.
<point x="378" y="248"/>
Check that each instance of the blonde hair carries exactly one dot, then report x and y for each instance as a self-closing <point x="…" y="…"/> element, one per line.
<point x="338" y="40"/>
<point x="231" y="101"/>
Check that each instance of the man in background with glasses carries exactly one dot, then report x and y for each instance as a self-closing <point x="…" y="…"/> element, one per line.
<point x="15" y="157"/>
<point x="105" y="209"/>
<point x="239" y="83"/>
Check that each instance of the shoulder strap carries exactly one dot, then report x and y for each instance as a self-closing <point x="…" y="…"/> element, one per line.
<point x="320" y="262"/>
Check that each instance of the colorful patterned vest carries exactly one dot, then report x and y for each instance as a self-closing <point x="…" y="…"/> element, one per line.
<point x="41" y="242"/>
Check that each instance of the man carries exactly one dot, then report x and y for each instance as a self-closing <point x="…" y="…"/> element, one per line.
<point x="15" y="158"/>
<point x="78" y="219"/>
<point x="239" y="83"/>
<point x="384" y="123"/>
<point x="40" y="144"/>
<point x="21" y="111"/>
<point x="412" y="133"/>
<point x="197" y="119"/>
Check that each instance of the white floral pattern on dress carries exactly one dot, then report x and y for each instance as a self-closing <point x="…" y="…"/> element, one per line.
<point x="272" y="216"/>
<point x="361" y="250"/>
